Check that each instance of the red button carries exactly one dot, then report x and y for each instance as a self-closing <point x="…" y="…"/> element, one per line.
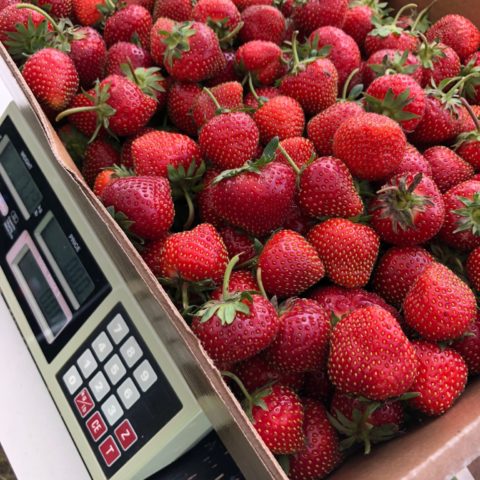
<point x="96" y="426"/>
<point x="109" y="451"/>
<point x="84" y="402"/>
<point x="126" y="435"/>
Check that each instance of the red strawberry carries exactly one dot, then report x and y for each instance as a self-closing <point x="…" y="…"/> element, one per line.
<point x="180" y="101"/>
<point x="408" y="210"/>
<point x="396" y="271"/>
<point x="222" y="16"/>
<point x="458" y="33"/>
<point x="126" y="158"/>
<point x="145" y="201"/>
<point x="300" y="150"/>
<point x="398" y="96"/>
<point x="104" y="178"/>
<point x="289" y="264"/>
<point x="239" y="281"/>
<point x="448" y="169"/>
<point x="344" y="53"/>
<point x="461" y="228"/>
<point x="85" y="122"/>
<point x="302" y="341"/>
<point x="152" y="255"/>
<point x="148" y="4"/>
<point x="413" y="162"/>
<point x="238" y="243"/>
<point x="87" y="11"/>
<point x="280" y="117"/>
<point x="327" y="190"/>
<point x="321" y="128"/>
<point x="321" y="452"/>
<point x="472" y="89"/>
<point x="56" y="8"/>
<point x="439" y="305"/>
<point x="206" y="200"/>
<point x="228" y="74"/>
<point x="158" y="35"/>
<point x="123" y="53"/>
<point x="473" y="268"/>
<point x="6" y="3"/>
<point x="358" y="22"/>
<point x="262" y="22"/>
<point x="297" y="221"/>
<point x="243" y="4"/>
<point x="98" y="155"/>
<point x="308" y="16"/>
<point x="179" y="10"/>
<point x="363" y="137"/>
<point x="469" y="346"/>
<point x="265" y="93"/>
<point x="442" y="376"/>
<point x="438" y="62"/>
<point x="371" y="356"/>
<point x="348" y="250"/>
<point x="468" y="143"/>
<point x="153" y="151"/>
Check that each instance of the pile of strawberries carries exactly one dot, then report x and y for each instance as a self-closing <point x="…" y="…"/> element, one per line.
<point x="300" y="176"/>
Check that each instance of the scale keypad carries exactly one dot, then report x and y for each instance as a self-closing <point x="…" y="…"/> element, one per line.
<point x="117" y="391"/>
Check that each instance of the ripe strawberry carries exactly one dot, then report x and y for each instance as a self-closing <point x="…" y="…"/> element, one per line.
<point x="469" y="347"/>
<point x="85" y="122"/>
<point x="300" y="150"/>
<point x="6" y="3"/>
<point x="363" y="137"/>
<point x="348" y="250"/>
<point x="153" y="151"/>
<point x="180" y="101"/>
<point x="89" y="54"/>
<point x="98" y="155"/>
<point x="321" y="451"/>
<point x="87" y="12"/>
<point x="396" y="271"/>
<point x="408" y="210"/>
<point x="195" y="255"/>
<point x="461" y="228"/>
<point x="344" y="53"/>
<point x="264" y="93"/>
<point x="473" y="268"/>
<point x="227" y="74"/>
<point x="238" y="243"/>
<point x="126" y="158"/>
<point x="289" y="264"/>
<point x="399" y="97"/>
<point x="206" y="200"/>
<point x="308" y="16"/>
<point x="448" y="169"/>
<point x="327" y="190"/>
<point x="229" y="140"/>
<point x="458" y="33"/>
<point x="371" y="356"/>
<point x="439" y="305"/>
<point x="280" y="117"/>
<point x="158" y="45"/>
<point x="472" y="89"/>
<point x="243" y="4"/>
<point x="302" y="340"/>
<point x="56" y="8"/>
<point x="442" y="375"/>
<point x="148" y="4"/>
<point x="439" y="61"/>
<point x="222" y="16"/>
<point x="104" y="178"/>
<point x="262" y="22"/>
<point x="146" y="202"/>
<point x="132" y="22"/>
<point x="358" y="22"/>
<point x="468" y="143"/>
<point x="178" y="10"/>
<point x="413" y="162"/>
<point x="56" y="91"/>
<point x="239" y="281"/>
<point x="123" y="53"/>
<point x="152" y="254"/>
<point x="322" y="127"/>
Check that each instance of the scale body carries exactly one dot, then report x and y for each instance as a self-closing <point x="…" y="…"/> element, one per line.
<point x="123" y="400"/>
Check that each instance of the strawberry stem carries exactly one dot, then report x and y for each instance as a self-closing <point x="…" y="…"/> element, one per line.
<point x="214" y="100"/>
<point x="347" y="83"/>
<point x="296" y="59"/>
<point x="240" y="384"/>
<point x="408" y="6"/>
<point x="421" y="15"/>
<point x="72" y="111"/>
<point x="252" y="89"/>
<point x="260" y="283"/>
<point x="41" y="12"/>
<point x="471" y="113"/>
<point x="185" y="299"/>
<point x="226" y="278"/>
<point x="289" y="159"/>
<point x="231" y="35"/>
<point x="191" y="210"/>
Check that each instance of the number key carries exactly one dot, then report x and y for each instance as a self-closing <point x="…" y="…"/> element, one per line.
<point x="131" y="352"/>
<point x="102" y="346"/>
<point x="115" y="369"/>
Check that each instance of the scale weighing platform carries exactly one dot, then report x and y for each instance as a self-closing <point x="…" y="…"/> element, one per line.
<point x="96" y="394"/>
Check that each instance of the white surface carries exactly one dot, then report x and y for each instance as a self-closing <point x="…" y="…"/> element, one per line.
<point x="464" y="475"/>
<point x="32" y="433"/>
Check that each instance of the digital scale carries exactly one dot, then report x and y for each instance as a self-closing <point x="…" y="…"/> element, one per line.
<point x="126" y="405"/>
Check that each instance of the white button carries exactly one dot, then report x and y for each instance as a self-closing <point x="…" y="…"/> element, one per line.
<point x="131" y="352"/>
<point x="3" y="206"/>
<point x="117" y="328"/>
<point x="145" y="375"/>
<point x="102" y="346"/>
<point x="128" y="393"/>
<point x="87" y="363"/>
<point x="112" y="410"/>
<point x="99" y="386"/>
<point x="115" y="369"/>
<point x="72" y="379"/>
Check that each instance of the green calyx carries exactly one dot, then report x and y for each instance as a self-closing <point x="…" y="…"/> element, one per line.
<point x="120" y="171"/>
<point x="107" y="9"/>
<point x="473" y="81"/>
<point x="384" y="27"/>
<point x="472" y="136"/>
<point x="226" y="35"/>
<point x="149" y="80"/>
<point x="177" y="41"/>
<point x="399" y="202"/>
<point x="392" y="105"/>
<point x="397" y="64"/>
<point x="430" y="52"/>
<point x="125" y="224"/>
<point x="469" y="215"/>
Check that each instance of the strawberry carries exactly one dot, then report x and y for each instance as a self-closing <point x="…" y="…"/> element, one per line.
<point x="371" y="356"/>
<point x="442" y="376"/>
<point x="348" y="250"/>
<point x="408" y="210"/>
<point x="98" y="155"/>
<point x="399" y="97"/>
<point x="322" y="127"/>
<point x="358" y="22"/>
<point x="238" y="243"/>
<point x="413" y="162"/>
<point x="469" y="346"/>
<point x="439" y="305"/>
<point x="126" y="158"/>
<point x="152" y="255"/>
<point x="239" y="281"/>
<point x="297" y="221"/>
<point x="308" y="16"/>
<point x="243" y="4"/>
<point x="222" y="16"/>
<point x="468" y="143"/>
<point x="327" y="190"/>
<point x="458" y="33"/>
<point x="439" y="61"/>
<point x="102" y="180"/>
<point x="56" y="8"/>
<point x="472" y="89"/>
<point x="262" y="93"/>
<point x="132" y="22"/>
<point x="227" y="74"/>
<point x="363" y="137"/>
<point x="448" y="169"/>
<point x="302" y="340"/>
<point x="124" y="52"/>
<point x="148" y="4"/>
<point x="195" y="255"/>
<point x="6" y="3"/>
<point x="153" y="151"/>
<point x="300" y="150"/>
<point x="473" y="268"/>
<point x="88" y="12"/>
<point x="280" y="117"/>
<point x="344" y="53"/>
<point x="206" y="200"/>
<point x="461" y="228"/>
<point x="262" y="22"/>
<point x="158" y="45"/>
<point x="143" y="204"/>
<point x="180" y="101"/>
<point x="178" y="10"/>
<point x="289" y="264"/>
<point x="396" y="271"/>
<point x="321" y="451"/>
<point x="56" y="91"/>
